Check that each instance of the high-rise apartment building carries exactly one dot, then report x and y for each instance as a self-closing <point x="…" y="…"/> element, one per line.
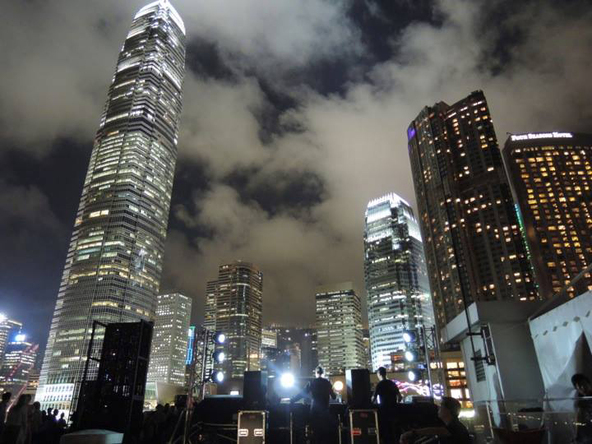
<point x="235" y="301"/>
<point x="114" y="262"/>
<point x="168" y="352"/>
<point x="8" y="330"/>
<point x="472" y="240"/>
<point x="395" y="274"/>
<point x="339" y="328"/>
<point x="551" y="178"/>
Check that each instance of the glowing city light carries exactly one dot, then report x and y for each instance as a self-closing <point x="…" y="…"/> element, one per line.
<point x="287" y="380"/>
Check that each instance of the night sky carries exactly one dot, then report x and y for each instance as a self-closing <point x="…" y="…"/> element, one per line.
<point x="295" y="113"/>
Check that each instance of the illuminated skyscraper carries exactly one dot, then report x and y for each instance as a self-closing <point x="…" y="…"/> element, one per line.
<point x="237" y="296"/>
<point x="396" y="278"/>
<point x="168" y="352"/>
<point x="551" y="178"/>
<point x="472" y="240"/>
<point x="19" y="359"/>
<point x="8" y="330"/>
<point x="114" y="262"/>
<point x="339" y="328"/>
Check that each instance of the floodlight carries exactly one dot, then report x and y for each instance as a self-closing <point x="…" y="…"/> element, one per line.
<point x="218" y="376"/>
<point x="20" y="338"/>
<point x="287" y="380"/>
<point x="220" y="338"/>
<point x="408" y="336"/>
<point x="338" y="386"/>
<point x="409" y="356"/>
<point x="219" y="356"/>
<point x="413" y="375"/>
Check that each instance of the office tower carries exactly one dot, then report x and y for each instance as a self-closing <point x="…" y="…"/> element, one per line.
<point x="367" y="352"/>
<point x="551" y="177"/>
<point x="308" y="350"/>
<point x="8" y="330"/>
<point x="114" y="262"/>
<point x="269" y="338"/>
<point x="395" y="274"/>
<point x="237" y="298"/>
<point x="168" y="353"/>
<point x="19" y="359"/>
<point x="339" y="328"/>
<point x="472" y="241"/>
<point x="210" y="309"/>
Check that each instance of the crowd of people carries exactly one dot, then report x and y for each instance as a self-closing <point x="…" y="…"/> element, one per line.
<point x="26" y="423"/>
<point x="159" y="425"/>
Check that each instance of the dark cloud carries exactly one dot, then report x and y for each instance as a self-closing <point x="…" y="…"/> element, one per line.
<point x="294" y="117"/>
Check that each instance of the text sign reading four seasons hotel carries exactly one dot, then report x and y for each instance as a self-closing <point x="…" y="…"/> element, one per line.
<point x="114" y="263"/>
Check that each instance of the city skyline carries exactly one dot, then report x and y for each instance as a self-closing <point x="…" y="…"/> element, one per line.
<point x="292" y="171"/>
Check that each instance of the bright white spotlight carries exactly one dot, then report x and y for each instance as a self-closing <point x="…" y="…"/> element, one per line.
<point x="20" y="338"/>
<point x="219" y="377"/>
<point x="219" y="356"/>
<point x="411" y="375"/>
<point x="220" y="338"/>
<point x="338" y="386"/>
<point x="409" y="356"/>
<point x="287" y="380"/>
<point x="407" y="337"/>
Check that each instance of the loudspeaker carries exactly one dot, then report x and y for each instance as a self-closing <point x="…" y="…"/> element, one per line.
<point x="254" y="390"/>
<point x="115" y="400"/>
<point x="358" y="388"/>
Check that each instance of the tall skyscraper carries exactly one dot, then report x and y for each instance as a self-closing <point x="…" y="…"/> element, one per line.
<point x="168" y="354"/>
<point x="551" y="179"/>
<point x="19" y="359"/>
<point x="114" y="262"/>
<point x="471" y="235"/>
<point x="395" y="275"/>
<point x="8" y="330"/>
<point x="236" y="301"/>
<point x="339" y="328"/>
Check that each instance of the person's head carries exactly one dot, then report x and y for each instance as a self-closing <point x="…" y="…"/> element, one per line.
<point x="449" y="409"/>
<point x="37" y="406"/>
<point x="6" y="396"/>
<point x="55" y="412"/>
<point x="582" y="384"/>
<point x="319" y="371"/>
<point x="381" y="373"/>
<point x="22" y="401"/>
<point x="62" y="415"/>
<point x="28" y="398"/>
<point x="49" y="410"/>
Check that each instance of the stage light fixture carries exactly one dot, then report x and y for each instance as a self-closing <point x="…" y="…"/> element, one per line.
<point x="287" y="380"/>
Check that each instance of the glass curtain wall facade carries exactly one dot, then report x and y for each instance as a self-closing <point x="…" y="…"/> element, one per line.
<point x="114" y="262"/>
<point x="396" y="278"/>
<point x="168" y="354"/>
<point x="8" y="330"/>
<point x="339" y="328"/>
<point x="472" y="239"/>
<point x="235" y="300"/>
<point x="551" y="178"/>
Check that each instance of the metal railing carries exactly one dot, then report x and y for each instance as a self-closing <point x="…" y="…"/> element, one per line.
<point x="544" y="421"/>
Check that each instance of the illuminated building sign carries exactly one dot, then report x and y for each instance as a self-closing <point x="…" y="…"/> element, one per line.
<point x="531" y="136"/>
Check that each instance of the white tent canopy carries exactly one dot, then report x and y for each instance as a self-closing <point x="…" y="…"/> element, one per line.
<point x="562" y="339"/>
